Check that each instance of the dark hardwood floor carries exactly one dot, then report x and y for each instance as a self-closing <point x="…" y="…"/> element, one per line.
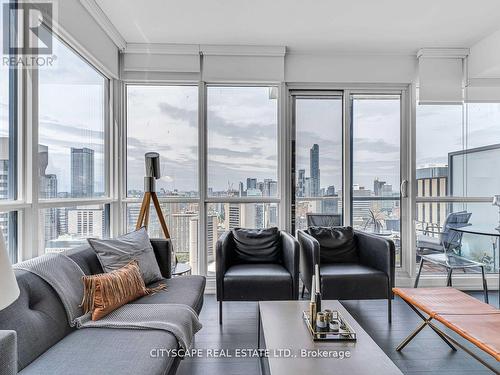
<point x="426" y="354"/>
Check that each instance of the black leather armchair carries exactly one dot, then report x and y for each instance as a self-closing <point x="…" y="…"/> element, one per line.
<point x="256" y="281"/>
<point x="371" y="278"/>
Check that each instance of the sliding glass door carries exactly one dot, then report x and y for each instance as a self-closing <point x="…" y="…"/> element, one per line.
<point x="376" y="166"/>
<point x="318" y="157"/>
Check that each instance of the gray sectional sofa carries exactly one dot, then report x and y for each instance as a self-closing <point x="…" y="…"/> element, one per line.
<point x="48" y="345"/>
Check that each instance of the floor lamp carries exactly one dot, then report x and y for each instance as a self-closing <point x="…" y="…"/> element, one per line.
<point x="152" y="160"/>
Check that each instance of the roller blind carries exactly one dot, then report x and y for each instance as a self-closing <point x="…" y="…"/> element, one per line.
<point x="440" y="80"/>
<point x="243" y="63"/>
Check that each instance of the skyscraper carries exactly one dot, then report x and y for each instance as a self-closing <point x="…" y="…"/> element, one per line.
<point x="301" y="185"/>
<point x="47" y="190"/>
<point x="315" y="173"/>
<point x="270" y="188"/>
<point x="82" y="172"/>
<point x="377" y="187"/>
<point x="251" y="183"/>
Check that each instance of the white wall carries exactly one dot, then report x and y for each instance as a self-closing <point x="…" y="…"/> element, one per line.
<point x="484" y="60"/>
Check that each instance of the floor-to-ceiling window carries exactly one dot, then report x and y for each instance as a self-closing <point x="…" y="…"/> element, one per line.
<point x="164" y="119"/>
<point x="71" y="157"/>
<point x="376" y="166"/>
<point x="318" y="156"/>
<point x="242" y="161"/>
<point x="457" y="169"/>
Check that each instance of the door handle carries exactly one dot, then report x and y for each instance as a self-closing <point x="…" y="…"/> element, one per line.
<point x="404" y="189"/>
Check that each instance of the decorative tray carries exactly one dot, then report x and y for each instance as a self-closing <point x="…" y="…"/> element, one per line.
<point x="345" y="333"/>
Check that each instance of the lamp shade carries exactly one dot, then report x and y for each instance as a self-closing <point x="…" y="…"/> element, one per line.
<point x="9" y="290"/>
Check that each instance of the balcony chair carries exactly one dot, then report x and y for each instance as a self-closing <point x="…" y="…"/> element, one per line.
<point x="433" y="240"/>
<point x="444" y="250"/>
<point x="353" y="264"/>
<point x="256" y="265"/>
<point x="323" y="220"/>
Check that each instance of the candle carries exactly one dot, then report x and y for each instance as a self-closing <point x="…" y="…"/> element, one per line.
<point x="313" y="289"/>
<point x="316" y="276"/>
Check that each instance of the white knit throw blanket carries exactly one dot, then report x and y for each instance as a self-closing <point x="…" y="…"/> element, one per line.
<point x="64" y="276"/>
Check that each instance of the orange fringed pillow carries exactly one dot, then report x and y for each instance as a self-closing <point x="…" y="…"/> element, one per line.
<point x="105" y="292"/>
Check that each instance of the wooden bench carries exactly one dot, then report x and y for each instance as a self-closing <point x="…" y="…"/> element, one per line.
<point x="474" y="320"/>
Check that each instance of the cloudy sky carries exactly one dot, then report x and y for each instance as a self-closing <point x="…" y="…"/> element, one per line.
<point x="71" y="114"/>
<point x="242" y="130"/>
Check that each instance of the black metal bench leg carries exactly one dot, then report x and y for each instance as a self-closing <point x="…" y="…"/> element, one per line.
<point x="448" y="279"/>
<point x="419" y="272"/>
<point x="485" y="286"/>
<point x="303" y="289"/>
<point x="220" y="312"/>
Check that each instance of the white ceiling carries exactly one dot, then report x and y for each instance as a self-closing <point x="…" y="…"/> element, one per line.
<point x="399" y="26"/>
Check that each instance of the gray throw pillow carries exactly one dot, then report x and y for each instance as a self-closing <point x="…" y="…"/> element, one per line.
<point x="116" y="253"/>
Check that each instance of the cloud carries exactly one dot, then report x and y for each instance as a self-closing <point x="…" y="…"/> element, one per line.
<point x="378" y="146"/>
<point x="219" y="151"/>
<point x="187" y="115"/>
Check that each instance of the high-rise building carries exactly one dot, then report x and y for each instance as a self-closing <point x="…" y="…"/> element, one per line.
<point x="377" y="187"/>
<point x="270" y="188"/>
<point x="180" y="231"/>
<point x="82" y="172"/>
<point x="360" y="208"/>
<point x="330" y="203"/>
<point x="315" y="173"/>
<point x="86" y="222"/>
<point x="241" y="189"/>
<point x="432" y="181"/>
<point x="47" y="190"/>
<point x="251" y="183"/>
<point x="232" y="215"/>
<point x="301" y="183"/>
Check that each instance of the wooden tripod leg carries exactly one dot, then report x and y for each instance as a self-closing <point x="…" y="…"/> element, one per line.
<point x="144" y="208"/>
<point x="160" y="215"/>
<point x="146" y="215"/>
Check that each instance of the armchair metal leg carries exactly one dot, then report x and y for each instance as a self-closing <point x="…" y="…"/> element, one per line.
<point x="220" y="312"/>
<point x="419" y="272"/>
<point x="448" y="279"/>
<point x="485" y="286"/>
<point x="389" y="310"/>
<point x="303" y="290"/>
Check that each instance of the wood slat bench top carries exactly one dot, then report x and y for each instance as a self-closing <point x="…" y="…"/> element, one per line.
<point x="472" y="319"/>
<point x="481" y="330"/>
<point x="444" y="300"/>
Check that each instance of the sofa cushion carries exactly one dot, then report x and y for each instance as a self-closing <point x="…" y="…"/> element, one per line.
<point x="257" y="245"/>
<point x="86" y="258"/>
<point x="352" y="281"/>
<point x="337" y="244"/>
<point x="257" y="282"/>
<point x="186" y="290"/>
<point x="37" y="316"/>
<point x="103" y="351"/>
<point x="118" y="252"/>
